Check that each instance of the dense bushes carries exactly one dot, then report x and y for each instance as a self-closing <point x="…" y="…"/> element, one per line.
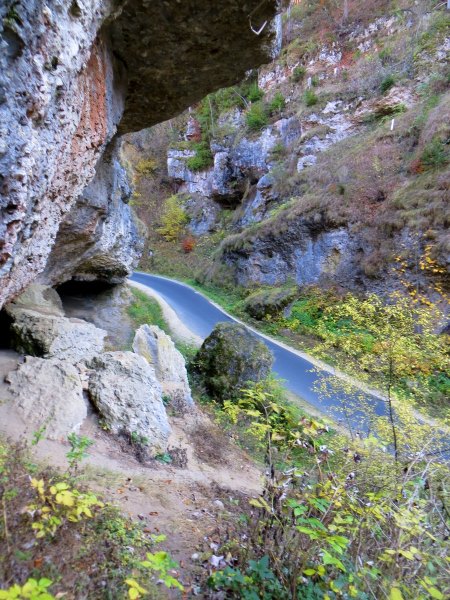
<point x="277" y="103"/>
<point x="435" y="154"/>
<point x="58" y="540"/>
<point x="387" y="83"/>
<point x="310" y="98"/>
<point x="338" y="518"/>
<point x="298" y="74"/>
<point x="252" y="92"/>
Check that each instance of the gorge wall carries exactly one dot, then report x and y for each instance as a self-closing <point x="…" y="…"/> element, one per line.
<point x="328" y="167"/>
<point x="74" y="76"/>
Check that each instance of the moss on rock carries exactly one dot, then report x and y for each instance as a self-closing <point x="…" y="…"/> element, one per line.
<point x="269" y="302"/>
<point x="229" y="358"/>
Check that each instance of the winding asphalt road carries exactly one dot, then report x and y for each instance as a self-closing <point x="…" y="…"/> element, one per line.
<point x="200" y="315"/>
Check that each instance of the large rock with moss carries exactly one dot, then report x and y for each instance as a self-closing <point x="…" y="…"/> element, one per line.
<point x="269" y="302"/>
<point x="231" y="357"/>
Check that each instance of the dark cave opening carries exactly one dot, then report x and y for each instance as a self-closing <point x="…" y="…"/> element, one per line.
<point x="5" y="331"/>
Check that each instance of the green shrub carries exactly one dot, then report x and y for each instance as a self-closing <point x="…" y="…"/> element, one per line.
<point x="256" y="116"/>
<point x="278" y="151"/>
<point x="146" y="166"/>
<point x="252" y="92"/>
<point x="205" y="116"/>
<point x="387" y="83"/>
<point x="298" y="74"/>
<point x="258" y="581"/>
<point x="227" y="98"/>
<point x="438" y="25"/>
<point x="310" y="98"/>
<point x="202" y="158"/>
<point x="33" y="589"/>
<point x="277" y="103"/>
<point x="385" y="55"/>
<point x="435" y="154"/>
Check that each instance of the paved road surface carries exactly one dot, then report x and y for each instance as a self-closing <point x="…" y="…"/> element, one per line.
<point x="200" y="316"/>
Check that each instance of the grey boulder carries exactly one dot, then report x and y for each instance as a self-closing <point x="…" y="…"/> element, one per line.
<point x="160" y="352"/>
<point x="39" y="328"/>
<point x="124" y="388"/>
<point x="48" y="392"/>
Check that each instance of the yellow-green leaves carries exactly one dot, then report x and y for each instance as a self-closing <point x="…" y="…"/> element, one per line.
<point x="38" y="485"/>
<point x="160" y="563"/>
<point x="329" y="559"/>
<point x="135" y="590"/>
<point x="428" y="584"/>
<point x="63" y="495"/>
<point x="33" y="589"/>
<point x="163" y="564"/>
<point x="173" y="220"/>
<point x="260" y="503"/>
<point x="59" y="504"/>
<point x="395" y="594"/>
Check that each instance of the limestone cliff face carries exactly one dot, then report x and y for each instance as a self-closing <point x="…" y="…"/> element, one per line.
<point x="100" y="238"/>
<point x="328" y="166"/>
<point x="73" y="74"/>
<point x="56" y="116"/>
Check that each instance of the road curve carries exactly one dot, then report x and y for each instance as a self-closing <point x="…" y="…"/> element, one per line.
<point x="200" y="315"/>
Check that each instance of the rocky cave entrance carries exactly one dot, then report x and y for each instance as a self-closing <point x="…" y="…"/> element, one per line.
<point x="103" y="304"/>
<point x="77" y="294"/>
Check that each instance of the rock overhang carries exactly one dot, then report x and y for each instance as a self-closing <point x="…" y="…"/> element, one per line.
<point x="177" y="52"/>
<point x="81" y="76"/>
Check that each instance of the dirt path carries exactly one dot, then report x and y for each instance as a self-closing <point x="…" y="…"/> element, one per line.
<point x="183" y="503"/>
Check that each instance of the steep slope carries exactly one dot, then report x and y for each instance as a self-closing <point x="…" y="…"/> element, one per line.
<point x="328" y="166"/>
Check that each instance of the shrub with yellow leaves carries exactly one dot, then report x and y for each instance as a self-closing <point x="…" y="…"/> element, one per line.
<point x="57" y="504"/>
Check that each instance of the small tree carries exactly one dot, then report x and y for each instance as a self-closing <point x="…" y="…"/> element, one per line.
<point x="335" y="519"/>
<point x="391" y="344"/>
<point x="173" y="220"/>
<point x="188" y="244"/>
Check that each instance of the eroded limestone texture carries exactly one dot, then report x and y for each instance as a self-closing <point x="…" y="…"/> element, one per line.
<point x="160" y="352"/>
<point x="128" y="396"/>
<point x="40" y="328"/>
<point x="49" y="393"/>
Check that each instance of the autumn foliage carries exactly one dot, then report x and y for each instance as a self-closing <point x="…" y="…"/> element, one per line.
<point x="188" y="244"/>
